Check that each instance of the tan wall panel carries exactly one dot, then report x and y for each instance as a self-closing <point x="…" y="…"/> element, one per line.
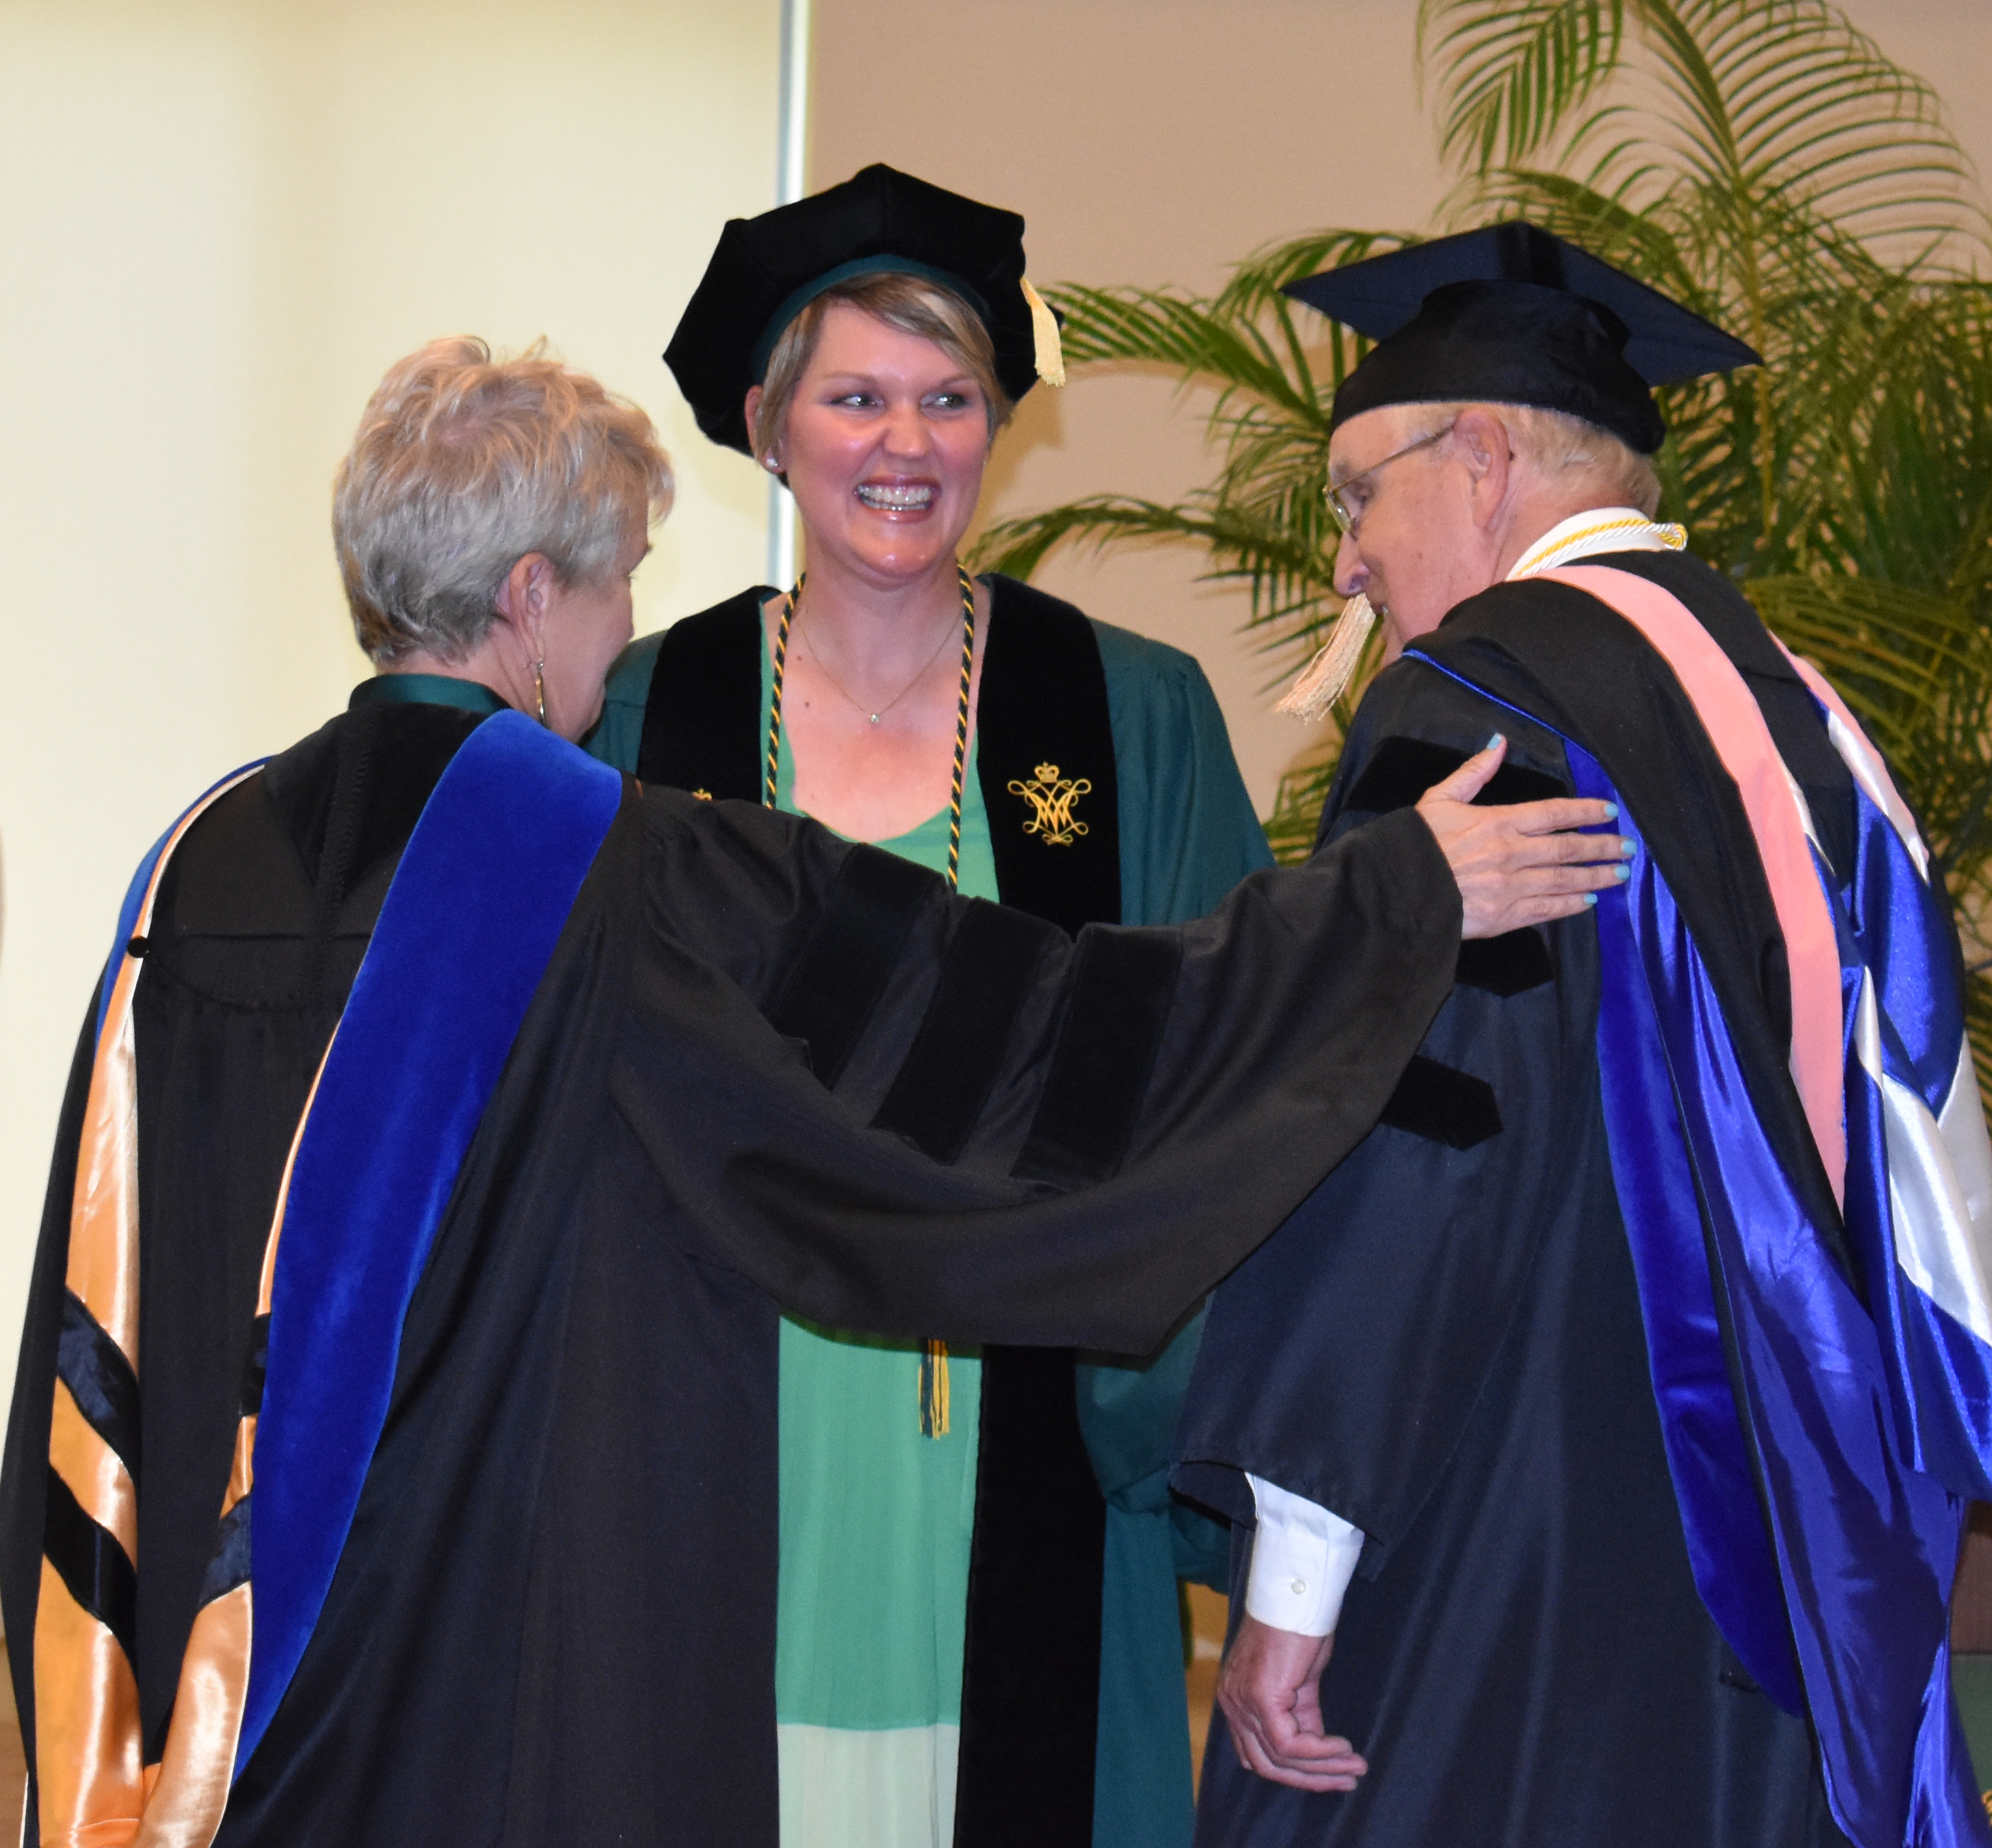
<point x="220" y="223"/>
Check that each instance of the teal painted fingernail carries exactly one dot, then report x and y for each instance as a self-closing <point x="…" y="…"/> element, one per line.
<point x="1590" y="898"/>
<point x="1491" y="743"/>
<point x="1627" y="848"/>
<point x="1622" y="873"/>
<point x="1611" y="811"/>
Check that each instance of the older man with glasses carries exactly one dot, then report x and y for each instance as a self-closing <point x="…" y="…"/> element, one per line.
<point x="1595" y="1434"/>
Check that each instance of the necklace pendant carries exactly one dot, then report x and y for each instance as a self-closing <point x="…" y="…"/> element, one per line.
<point x="875" y="718"/>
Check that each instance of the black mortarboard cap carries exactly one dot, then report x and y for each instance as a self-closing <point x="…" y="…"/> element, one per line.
<point x="1512" y="314"/>
<point x="767" y="270"/>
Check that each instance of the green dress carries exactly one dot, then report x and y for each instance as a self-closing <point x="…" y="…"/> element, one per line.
<point x="875" y="1519"/>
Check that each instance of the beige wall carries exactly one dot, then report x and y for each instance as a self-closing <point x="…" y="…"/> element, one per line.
<point x="1156" y="141"/>
<point x="219" y="221"/>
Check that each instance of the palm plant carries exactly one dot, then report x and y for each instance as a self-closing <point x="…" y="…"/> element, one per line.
<point x="1763" y="163"/>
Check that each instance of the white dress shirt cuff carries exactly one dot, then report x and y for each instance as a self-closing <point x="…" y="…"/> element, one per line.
<point x="1303" y="1558"/>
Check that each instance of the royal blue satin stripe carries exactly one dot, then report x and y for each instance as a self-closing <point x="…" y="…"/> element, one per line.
<point x="1864" y="1544"/>
<point x="477" y="904"/>
<point x="134" y="893"/>
<point x="1942" y="1403"/>
<point x="1942" y="1372"/>
<point x="1654" y="1174"/>
<point x="1905" y="936"/>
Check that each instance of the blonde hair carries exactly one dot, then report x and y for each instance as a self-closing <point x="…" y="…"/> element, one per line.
<point x="463" y="464"/>
<point x="1557" y="443"/>
<point x="914" y="305"/>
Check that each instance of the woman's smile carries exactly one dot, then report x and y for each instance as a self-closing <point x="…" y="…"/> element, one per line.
<point x="898" y="498"/>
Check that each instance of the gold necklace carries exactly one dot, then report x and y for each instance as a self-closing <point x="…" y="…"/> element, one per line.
<point x="817" y="655"/>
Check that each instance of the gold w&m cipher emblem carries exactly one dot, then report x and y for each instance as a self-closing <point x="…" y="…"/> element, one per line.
<point x="1051" y="797"/>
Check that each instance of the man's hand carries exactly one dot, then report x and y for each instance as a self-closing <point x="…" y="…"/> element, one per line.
<point x="1519" y="865"/>
<point x="1270" y="1689"/>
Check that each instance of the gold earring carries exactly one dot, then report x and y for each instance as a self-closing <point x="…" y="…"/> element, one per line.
<point x="539" y="687"/>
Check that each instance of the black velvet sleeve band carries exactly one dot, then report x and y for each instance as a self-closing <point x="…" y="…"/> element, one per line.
<point x="1402" y="769"/>
<point x="851" y="955"/>
<point x="1442" y="1104"/>
<point x="985" y="984"/>
<point x="1106" y="1049"/>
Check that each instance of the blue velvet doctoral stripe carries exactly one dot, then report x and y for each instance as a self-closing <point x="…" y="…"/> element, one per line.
<point x="134" y="893"/>
<point x="477" y="903"/>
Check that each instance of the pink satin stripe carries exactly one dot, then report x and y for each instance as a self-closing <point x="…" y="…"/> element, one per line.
<point x="1742" y="740"/>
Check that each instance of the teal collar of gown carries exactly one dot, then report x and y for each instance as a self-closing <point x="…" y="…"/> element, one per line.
<point x="425" y="690"/>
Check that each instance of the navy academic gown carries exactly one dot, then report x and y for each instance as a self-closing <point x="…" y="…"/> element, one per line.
<point x="1444" y="1345"/>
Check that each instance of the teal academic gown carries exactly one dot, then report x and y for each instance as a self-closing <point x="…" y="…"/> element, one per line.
<point x="1187" y="835"/>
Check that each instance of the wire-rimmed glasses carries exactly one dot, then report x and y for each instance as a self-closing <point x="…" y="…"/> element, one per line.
<point x="1349" y="517"/>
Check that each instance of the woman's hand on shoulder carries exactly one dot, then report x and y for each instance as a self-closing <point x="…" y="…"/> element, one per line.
<point x="1523" y="864"/>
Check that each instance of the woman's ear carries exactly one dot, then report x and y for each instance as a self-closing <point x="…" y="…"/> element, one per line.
<point x="769" y="461"/>
<point x="524" y="599"/>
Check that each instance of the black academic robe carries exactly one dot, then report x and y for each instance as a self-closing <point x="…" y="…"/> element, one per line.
<point x="1444" y="1345"/>
<point x="685" y="710"/>
<point x="764" y="1067"/>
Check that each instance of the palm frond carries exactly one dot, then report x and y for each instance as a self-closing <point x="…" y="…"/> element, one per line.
<point x="1510" y="75"/>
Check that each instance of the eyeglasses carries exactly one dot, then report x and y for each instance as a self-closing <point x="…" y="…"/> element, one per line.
<point x="1349" y="518"/>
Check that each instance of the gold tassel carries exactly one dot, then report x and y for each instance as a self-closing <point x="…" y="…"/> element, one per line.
<point x="933" y="1389"/>
<point x="1330" y="671"/>
<point x="1045" y="337"/>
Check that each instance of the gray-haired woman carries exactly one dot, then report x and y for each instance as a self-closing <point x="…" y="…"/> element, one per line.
<point x="488" y="519"/>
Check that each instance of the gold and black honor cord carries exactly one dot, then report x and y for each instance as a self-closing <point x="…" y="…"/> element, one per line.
<point x="960" y="713"/>
<point x="933" y="1354"/>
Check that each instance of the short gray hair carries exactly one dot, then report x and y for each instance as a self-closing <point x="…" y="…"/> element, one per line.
<point x="461" y="465"/>
<point x="1557" y="443"/>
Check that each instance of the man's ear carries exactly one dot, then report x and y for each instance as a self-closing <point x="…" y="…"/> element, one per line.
<point x="1481" y="441"/>
<point x="522" y="600"/>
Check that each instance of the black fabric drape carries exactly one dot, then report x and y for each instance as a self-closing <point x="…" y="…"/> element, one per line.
<point x="702" y="721"/>
<point x="1031" y="1674"/>
<point x="554" y="1620"/>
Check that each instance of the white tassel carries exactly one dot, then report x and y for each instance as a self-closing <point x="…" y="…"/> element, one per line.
<point x="1047" y="350"/>
<point x="1320" y="684"/>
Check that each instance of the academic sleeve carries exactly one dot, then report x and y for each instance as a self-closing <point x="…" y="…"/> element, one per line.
<point x="1343" y="1360"/>
<point x="837" y="1099"/>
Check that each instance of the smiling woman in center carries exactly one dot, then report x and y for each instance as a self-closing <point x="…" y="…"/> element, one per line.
<point x="977" y="1634"/>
